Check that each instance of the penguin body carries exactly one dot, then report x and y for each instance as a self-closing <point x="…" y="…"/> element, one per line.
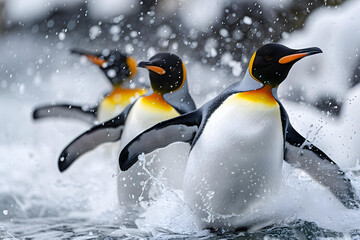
<point x="250" y="163"/>
<point x="163" y="102"/>
<point x="146" y="112"/>
<point x="118" y="68"/>
<point x="238" y="142"/>
<point x="114" y="103"/>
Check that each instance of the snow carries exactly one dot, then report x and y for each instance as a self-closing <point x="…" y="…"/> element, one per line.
<point x="28" y="11"/>
<point x="94" y="32"/>
<point x="247" y="20"/>
<point x="62" y="36"/>
<point x="192" y="12"/>
<point x="201" y="14"/>
<point x="25" y="10"/>
<point x="164" y="31"/>
<point x="337" y="32"/>
<point x="338" y="137"/>
<point x="100" y="9"/>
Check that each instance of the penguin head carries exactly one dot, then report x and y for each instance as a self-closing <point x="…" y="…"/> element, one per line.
<point x="166" y="71"/>
<point x="271" y="63"/>
<point x="116" y="66"/>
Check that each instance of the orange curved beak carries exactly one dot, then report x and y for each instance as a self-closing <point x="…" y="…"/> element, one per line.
<point x="150" y="67"/>
<point x="299" y="54"/>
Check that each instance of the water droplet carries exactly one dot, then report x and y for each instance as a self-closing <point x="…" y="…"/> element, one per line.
<point x="62" y="36"/>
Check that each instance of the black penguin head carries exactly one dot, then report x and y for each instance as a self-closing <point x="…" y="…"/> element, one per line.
<point x="271" y="63"/>
<point x="117" y="67"/>
<point x="167" y="72"/>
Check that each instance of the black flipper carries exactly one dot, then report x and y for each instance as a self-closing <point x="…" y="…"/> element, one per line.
<point x="83" y="113"/>
<point x="179" y="129"/>
<point x="109" y="131"/>
<point x="302" y="154"/>
<point x="185" y="128"/>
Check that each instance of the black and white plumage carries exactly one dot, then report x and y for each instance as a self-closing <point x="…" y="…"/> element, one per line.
<point x="238" y="142"/>
<point x="168" y="98"/>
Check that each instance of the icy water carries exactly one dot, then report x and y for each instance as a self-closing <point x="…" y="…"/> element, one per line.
<point x="37" y="202"/>
<point x="302" y="210"/>
<point x="75" y="228"/>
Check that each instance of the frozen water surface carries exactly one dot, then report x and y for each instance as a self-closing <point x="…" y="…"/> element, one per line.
<point x="37" y="202"/>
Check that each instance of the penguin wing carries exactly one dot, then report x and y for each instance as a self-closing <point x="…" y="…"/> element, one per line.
<point x="185" y="128"/>
<point x="179" y="129"/>
<point x="302" y="154"/>
<point x="109" y="131"/>
<point x="83" y="113"/>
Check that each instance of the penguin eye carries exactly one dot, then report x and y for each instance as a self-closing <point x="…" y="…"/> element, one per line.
<point x="268" y="58"/>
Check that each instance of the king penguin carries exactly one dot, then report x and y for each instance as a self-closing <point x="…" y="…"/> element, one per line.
<point x="119" y="70"/>
<point x="238" y="143"/>
<point x="169" y="97"/>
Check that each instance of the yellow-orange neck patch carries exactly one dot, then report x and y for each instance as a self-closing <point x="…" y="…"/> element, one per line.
<point x="122" y="96"/>
<point x="156" y="101"/>
<point x="262" y="95"/>
<point x="184" y="76"/>
<point x="251" y="65"/>
<point x="131" y="62"/>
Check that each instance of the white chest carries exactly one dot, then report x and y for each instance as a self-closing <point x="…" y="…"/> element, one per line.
<point x="113" y="104"/>
<point x="142" y="117"/>
<point x="104" y="114"/>
<point x="237" y="160"/>
<point x="167" y="164"/>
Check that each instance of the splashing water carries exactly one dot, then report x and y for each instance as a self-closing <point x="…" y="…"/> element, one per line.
<point x="67" y="209"/>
